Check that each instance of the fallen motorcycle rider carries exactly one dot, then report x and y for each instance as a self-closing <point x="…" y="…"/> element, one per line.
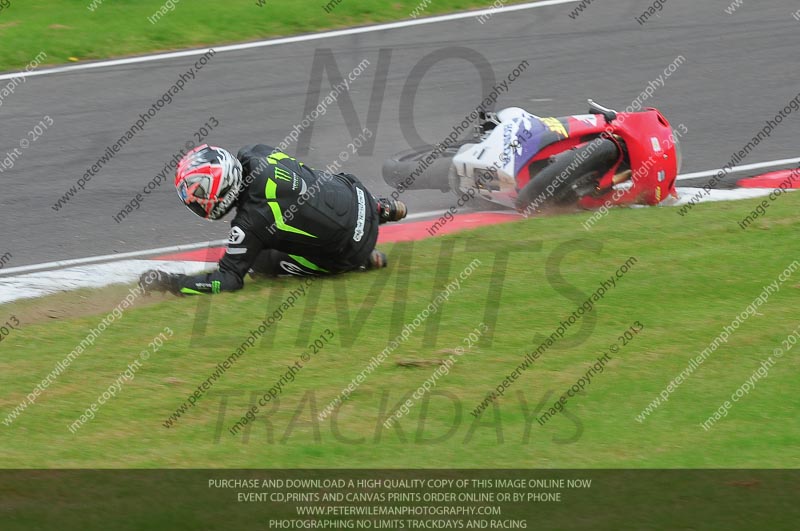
<point x="290" y="219"/>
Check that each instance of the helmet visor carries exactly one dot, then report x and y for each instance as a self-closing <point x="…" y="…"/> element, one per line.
<point x="191" y="201"/>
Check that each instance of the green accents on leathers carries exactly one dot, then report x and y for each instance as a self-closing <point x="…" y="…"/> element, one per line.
<point x="307" y="263"/>
<point x="190" y="291"/>
<point x="270" y="193"/>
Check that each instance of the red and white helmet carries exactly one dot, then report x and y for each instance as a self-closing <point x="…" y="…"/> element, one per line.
<point x="209" y="180"/>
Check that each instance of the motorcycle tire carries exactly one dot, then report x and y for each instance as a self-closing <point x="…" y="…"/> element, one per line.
<point x="578" y="182"/>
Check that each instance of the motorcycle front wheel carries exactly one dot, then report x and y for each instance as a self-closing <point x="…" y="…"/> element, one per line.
<point x="569" y="176"/>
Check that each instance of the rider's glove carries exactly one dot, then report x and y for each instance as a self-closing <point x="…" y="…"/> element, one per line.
<point x="155" y="280"/>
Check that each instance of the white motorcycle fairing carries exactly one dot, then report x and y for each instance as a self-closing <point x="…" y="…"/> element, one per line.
<point x="494" y="162"/>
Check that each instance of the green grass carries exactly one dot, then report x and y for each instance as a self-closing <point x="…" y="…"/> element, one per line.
<point x="67" y="30"/>
<point x="693" y="276"/>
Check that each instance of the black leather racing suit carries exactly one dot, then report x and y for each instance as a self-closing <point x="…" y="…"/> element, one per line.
<point x="291" y="219"/>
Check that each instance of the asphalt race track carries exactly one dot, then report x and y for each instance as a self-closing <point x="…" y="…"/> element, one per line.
<point x="739" y="71"/>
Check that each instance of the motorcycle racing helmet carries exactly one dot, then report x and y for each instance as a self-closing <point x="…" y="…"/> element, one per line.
<point x="208" y="180"/>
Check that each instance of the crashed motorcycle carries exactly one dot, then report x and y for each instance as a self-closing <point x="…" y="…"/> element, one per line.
<point x="519" y="160"/>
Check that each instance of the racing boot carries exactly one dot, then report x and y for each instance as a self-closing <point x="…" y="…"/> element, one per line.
<point x="391" y="210"/>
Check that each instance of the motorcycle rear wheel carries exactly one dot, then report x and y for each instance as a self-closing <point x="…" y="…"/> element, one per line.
<point x="408" y="170"/>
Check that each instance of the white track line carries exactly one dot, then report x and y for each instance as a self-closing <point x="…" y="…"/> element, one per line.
<point x="110" y="257"/>
<point x="288" y="40"/>
<point x="737" y="169"/>
<point x="41" y="283"/>
<point x="429" y="214"/>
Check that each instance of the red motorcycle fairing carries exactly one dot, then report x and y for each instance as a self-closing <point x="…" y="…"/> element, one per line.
<point x="651" y="153"/>
<point x="645" y="137"/>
